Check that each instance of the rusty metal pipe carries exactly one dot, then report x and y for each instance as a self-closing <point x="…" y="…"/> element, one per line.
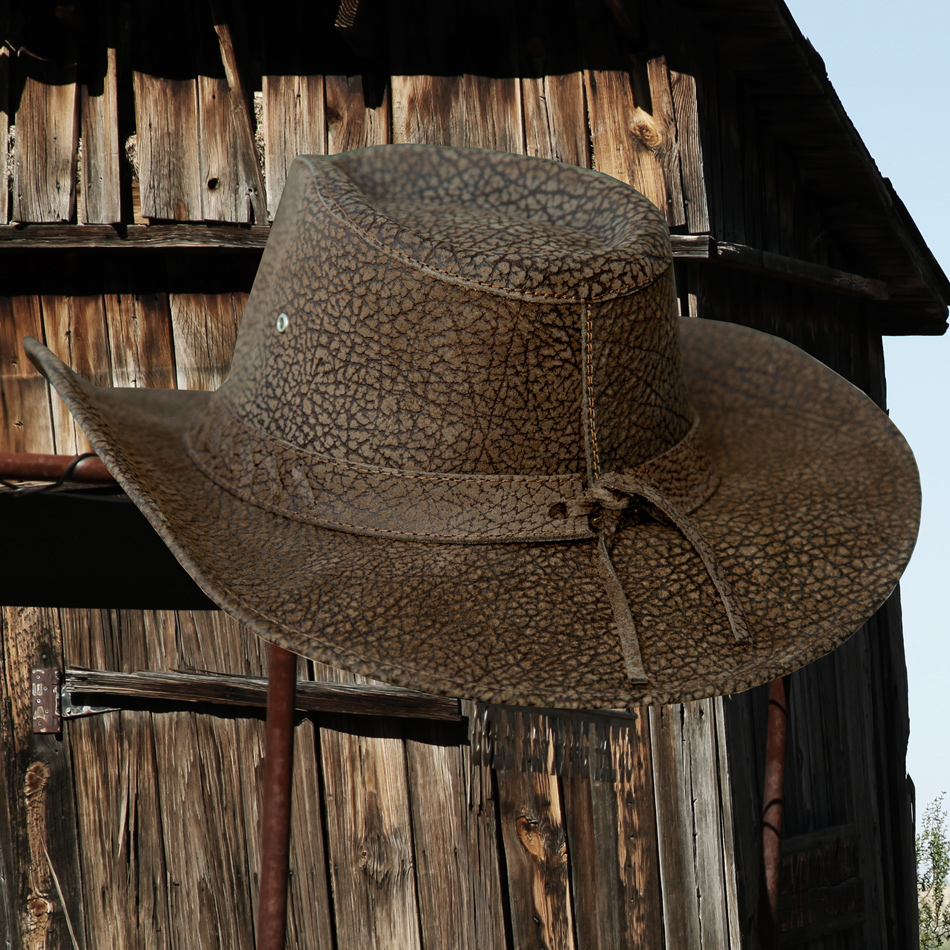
<point x="35" y="467"/>
<point x="773" y="799"/>
<point x="275" y="809"/>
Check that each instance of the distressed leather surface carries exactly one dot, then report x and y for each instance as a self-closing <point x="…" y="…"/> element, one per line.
<point x="390" y="362"/>
<point x="386" y="362"/>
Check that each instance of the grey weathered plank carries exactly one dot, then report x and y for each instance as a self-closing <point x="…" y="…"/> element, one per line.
<point x="294" y="124"/>
<point x="700" y="735"/>
<point x="671" y="776"/>
<point x="232" y="183"/>
<point x="4" y="130"/>
<point x="75" y="330"/>
<point x="554" y="118"/>
<point x="25" y="420"/>
<point x="166" y="122"/>
<point x="99" y="127"/>
<point x="688" y="137"/>
<point x="732" y="868"/>
<point x="47" y="140"/>
<point x="351" y="122"/>
<point x="369" y="836"/>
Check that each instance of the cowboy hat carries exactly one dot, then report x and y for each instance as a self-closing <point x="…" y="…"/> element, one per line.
<point x="467" y="446"/>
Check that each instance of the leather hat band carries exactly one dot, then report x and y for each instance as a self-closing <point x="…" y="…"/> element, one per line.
<point x="422" y="506"/>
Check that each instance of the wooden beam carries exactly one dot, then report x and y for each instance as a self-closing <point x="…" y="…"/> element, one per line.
<point x="688" y="247"/>
<point x="368" y="700"/>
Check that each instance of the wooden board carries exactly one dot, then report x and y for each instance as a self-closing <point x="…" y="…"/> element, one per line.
<point x="47" y="141"/>
<point x="99" y="124"/>
<point x="626" y="150"/>
<point x="233" y="185"/>
<point x="536" y="857"/>
<point x="294" y="124"/>
<point x="25" y="421"/>
<point x="4" y="130"/>
<point x="554" y="118"/>
<point x="166" y="121"/>
<point x="369" y="838"/>
<point x="74" y="328"/>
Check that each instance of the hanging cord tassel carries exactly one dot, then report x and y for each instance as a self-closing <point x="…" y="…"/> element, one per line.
<point x="630" y="486"/>
<point x="605" y="502"/>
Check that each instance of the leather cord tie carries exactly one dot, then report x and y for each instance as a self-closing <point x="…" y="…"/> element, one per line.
<point x="604" y="503"/>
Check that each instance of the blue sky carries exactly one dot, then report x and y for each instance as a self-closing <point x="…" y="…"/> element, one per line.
<point x="887" y="63"/>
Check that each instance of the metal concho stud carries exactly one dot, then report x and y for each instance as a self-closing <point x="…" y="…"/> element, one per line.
<point x="283" y="321"/>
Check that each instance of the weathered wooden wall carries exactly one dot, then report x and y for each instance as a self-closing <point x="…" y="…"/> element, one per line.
<point x="132" y="823"/>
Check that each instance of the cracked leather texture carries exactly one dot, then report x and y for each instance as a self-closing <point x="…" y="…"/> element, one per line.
<point x="397" y="356"/>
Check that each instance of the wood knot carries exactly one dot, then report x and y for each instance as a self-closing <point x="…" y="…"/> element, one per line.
<point x="36" y="779"/>
<point x="644" y="128"/>
<point x="531" y="837"/>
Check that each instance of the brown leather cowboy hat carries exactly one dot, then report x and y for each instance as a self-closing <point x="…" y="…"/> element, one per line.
<point x="467" y="446"/>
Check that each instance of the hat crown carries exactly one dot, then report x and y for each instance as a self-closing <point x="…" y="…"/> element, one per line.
<point x="460" y="311"/>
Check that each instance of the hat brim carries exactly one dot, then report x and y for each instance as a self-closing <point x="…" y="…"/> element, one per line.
<point x="814" y="520"/>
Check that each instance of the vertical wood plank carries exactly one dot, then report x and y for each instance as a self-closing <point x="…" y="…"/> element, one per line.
<point x="369" y="834"/>
<point x="232" y="184"/>
<point x="125" y="880"/>
<point x="141" y="340"/>
<point x="445" y="859"/>
<point x="99" y="125"/>
<point x="485" y="874"/>
<point x="294" y="124"/>
<point x="672" y="784"/>
<point x="47" y="141"/>
<point x="637" y="836"/>
<point x="298" y="47"/>
<point x="536" y="857"/>
<point x="731" y="864"/>
<point x="351" y="123"/>
<point x="554" y="118"/>
<point x="688" y="136"/>
<point x="38" y="818"/>
<point x="4" y="131"/>
<point x="25" y="420"/>
<point x="699" y="729"/>
<point x="204" y="329"/>
<point x="666" y="147"/>
<point x="166" y="120"/>
<point x="75" y="330"/>
<point x="730" y="157"/>
<point x="627" y="149"/>
<point x="42" y="901"/>
<point x="449" y="110"/>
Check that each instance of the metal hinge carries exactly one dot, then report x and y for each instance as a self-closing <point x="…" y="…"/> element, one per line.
<point x="52" y="701"/>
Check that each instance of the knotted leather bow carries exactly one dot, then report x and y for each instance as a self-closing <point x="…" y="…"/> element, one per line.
<point x="604" y="503"/>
